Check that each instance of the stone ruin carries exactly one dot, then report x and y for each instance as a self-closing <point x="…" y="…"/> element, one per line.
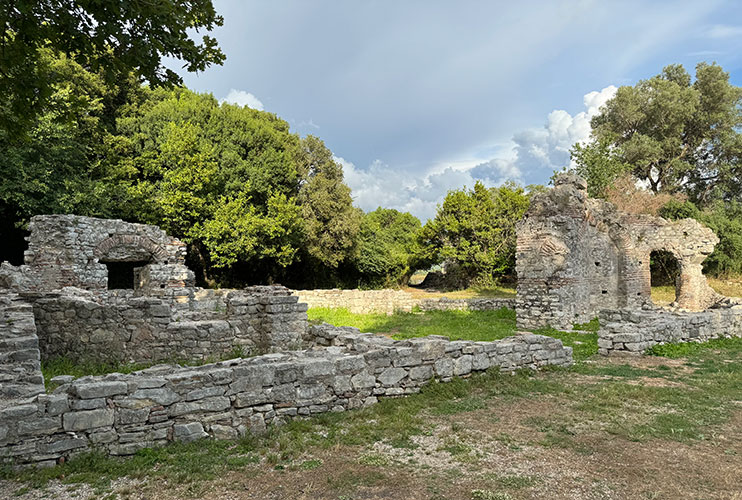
<point x="579" y="258"/>
<point x="107" y="290"/>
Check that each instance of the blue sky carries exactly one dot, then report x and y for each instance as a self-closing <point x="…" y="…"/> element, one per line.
<point x="418" y="97"/>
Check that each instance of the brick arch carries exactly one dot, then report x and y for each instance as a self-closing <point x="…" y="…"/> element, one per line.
<point x="139" y="247"/>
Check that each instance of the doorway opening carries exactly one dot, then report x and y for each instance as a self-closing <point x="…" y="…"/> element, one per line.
<point x="664" y="271"/>
<point x="122" y="275"/>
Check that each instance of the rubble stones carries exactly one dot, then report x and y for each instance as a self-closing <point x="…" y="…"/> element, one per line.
<point x="631" y="332"/>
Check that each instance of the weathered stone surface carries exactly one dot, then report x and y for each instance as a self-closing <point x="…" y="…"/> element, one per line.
<point x="577" y="255"/>
<point x="388" y="301"/>
<point x="629" y="331"/>
<point x="189" y="432"/>
<point x="99" y="389"/>
<point x="89" y="419"/>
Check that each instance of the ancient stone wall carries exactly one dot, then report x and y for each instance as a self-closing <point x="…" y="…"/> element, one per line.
<point x="121" y="414"/>
<point x="359" y="301"/>
<point x="20" y="369"/>
<point x="388" y="301"/>
<point x="632" y="331"/>
<point x="577" y="255"/>
<point x="473" y="304"/>
<point x="70" y="250"/>
<point x="186" y="324"/>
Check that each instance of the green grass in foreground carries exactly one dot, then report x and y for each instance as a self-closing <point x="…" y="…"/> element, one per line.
<point x="685" y="402"/>
<point x="688" y="404"/>
<point x="685" y="349"/>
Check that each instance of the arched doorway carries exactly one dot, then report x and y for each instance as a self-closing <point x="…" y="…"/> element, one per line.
<point x="663" y="270"/>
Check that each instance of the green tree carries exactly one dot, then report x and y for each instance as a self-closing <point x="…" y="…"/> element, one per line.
<point x="675" y="134"/>
<point x="331" y="223"/>
<point x="599" y="164"/>
<point x="59" y="165"/>
<point x="475" y="230"/>
<point x="223" y="178"/>
<point x="388" y="247"/>
<point x="110" y="38"/>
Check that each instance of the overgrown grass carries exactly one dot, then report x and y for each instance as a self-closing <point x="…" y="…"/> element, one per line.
<point x="592" y="401"/>
<point x="613" y="400"/>
<point x="685" y="349"/>
<point x="456" y="325"/>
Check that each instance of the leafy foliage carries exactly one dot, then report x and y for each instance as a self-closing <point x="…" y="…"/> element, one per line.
<point x="475" y="230"/>
<point x="388" y="245"/>
<point x="331" y="223"/>
<point x="107" y="38"/>
<point x="674" y="134"/>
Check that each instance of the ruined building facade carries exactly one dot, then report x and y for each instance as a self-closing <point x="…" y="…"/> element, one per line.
<point x="577" y="256"/>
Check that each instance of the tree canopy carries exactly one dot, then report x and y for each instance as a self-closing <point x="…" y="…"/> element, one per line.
<point x="389" y="247"/>
<point x="109" y="38"/>
<point x="475" y="231"/>
<point x="675" y="134"/>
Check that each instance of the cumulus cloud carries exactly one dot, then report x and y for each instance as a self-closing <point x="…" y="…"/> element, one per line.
<point x="533" y="155"/>
<point x="243" y="98"/>
<point x="547" y="148"/>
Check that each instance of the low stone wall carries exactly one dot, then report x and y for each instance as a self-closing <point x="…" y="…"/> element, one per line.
<point x="632" y="331"/>
<point x="359" y="301"/>
<point x="20" y="370"/>
<point x="185" y="324"/>
<point x="475" y="304"/>
<point x="121" y="414"/>
<point x="389" y="300"/>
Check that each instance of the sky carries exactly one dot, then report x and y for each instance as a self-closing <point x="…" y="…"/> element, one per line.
<point x="418" y="97"/>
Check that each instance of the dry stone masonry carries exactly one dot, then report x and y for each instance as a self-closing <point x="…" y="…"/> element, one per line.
<point x="578" y="258"/>
<point x="107" y="290"/>
<point x="88" y="253"/>
<point x="626" y="331"/>
<point x="388" y="301"/>
<point x="577" y="255"/>
<point x="121" y="414"/>
<point x="20" y="366"/>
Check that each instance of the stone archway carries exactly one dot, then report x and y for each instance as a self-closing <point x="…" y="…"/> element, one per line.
<point x="129" y="248"/>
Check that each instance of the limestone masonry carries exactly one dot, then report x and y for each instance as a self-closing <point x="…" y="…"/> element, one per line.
<point x="577" y="255"/>
<point x="388" y="301"/>
<point x="579" y="258"/>
<point x="121" y="414"/>
<point x="107" y="290"/>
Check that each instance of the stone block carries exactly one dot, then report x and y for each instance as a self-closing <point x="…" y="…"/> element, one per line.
<point x="86" y="420"/>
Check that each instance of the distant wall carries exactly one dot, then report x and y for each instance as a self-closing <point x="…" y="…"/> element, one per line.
<point x="388" y="301"/>
<point x="632" y="331"/>
<point x="188" y="324"/>
<point x="358" y="301"/>
<point x="121" y="414"/>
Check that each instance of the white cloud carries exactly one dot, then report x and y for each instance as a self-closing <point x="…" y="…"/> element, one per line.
<point x="532" y="151"/>
<point x="388" y="187"/>
<point x="723" y="31"/>
<point x="548" y="147"/>
<point x="243" y="98"/>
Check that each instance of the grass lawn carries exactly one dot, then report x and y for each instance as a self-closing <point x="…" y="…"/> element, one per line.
<point x="662" y="426"/>
<point x="456" y="325"/>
